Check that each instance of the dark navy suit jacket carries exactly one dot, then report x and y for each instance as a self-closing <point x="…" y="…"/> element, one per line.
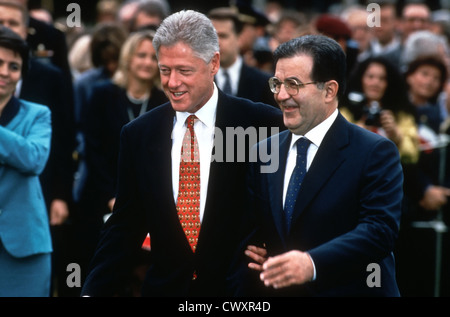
<point x="254" y="85"/>
<point x="145" y="204"/>
<point x="347" y="214"/>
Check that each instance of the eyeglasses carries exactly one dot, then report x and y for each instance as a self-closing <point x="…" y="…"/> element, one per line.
<point x="291" y="85"/>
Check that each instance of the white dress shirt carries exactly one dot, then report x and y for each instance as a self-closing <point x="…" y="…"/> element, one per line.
<point x="316" y="136"/>
<point x="204" y="131"/>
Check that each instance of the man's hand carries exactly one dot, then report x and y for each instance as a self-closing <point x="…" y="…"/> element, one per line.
<point x="257" y="254"/>
<point x="435" y="197"/>
<point x="290" y="268"/>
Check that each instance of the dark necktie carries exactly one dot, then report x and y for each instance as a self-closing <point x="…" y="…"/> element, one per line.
<point x="296" y="180"/>
<point x="227" y="83"/>
<point x="188" y="202"/>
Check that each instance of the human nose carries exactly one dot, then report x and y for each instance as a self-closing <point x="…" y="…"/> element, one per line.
<point x="282" y="94"/>
<point x="149" y="60"/>
<point x="172" y="80"/>
<point x="4" y="69"/>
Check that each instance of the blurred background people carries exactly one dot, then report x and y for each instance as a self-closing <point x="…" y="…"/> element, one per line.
<point x="133" y="90"/>
<point x="149" y="13"/>
<point x="415" y="16"/>
<point x="356" y="18"/>
<point x="386" y="40"/>
<point x="378" y="101"/>
<point x="47" y="42"/>
<point x="425" y="76"/>
<point x="235" y="77"/>
<point x="254" y="27"/>
<point x="335" y="27"/>
<point x="105" y="44"/>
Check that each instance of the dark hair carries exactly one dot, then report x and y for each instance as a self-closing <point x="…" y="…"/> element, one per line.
<point x="12" y="41"/>
<point x="395" y="97"/>
<point x="329" y="60"/>
<point x="434" y="61"/>
<point x="107" y="38"/>
<point x="225" y="13"/>
<point x="156" y="8"/>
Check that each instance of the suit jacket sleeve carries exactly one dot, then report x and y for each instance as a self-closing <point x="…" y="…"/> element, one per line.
<point x="29" y="152"/>
<point x="122" y="235"/>
<point x="374" y="236"/>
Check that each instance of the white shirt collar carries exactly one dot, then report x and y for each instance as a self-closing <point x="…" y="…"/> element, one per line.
<point x="234" y="69"/>
<point x="234" y="72"/>
<point x="206" y="114"/>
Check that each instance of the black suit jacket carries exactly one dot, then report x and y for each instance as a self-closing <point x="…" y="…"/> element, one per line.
<point x="45" y="37"/>
<point x="45" y="84"/>
<point x="145" y="204"/>
<point x="347" y="213"/>
<point x="102" y="120"/>
<point x="254" y="85"/>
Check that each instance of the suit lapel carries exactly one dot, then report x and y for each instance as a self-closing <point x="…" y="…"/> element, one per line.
<point x="216" y="174"/>
<point x="276" y="181"/>
<point x="158" y="154"/>
<point x="328" y="158"/>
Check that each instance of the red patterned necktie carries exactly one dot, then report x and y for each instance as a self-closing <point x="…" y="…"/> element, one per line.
<point x="188" y="202"/>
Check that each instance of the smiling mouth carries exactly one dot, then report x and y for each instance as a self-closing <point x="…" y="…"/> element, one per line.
<point x="289" y="107"/>
<point x="178" y="94"/>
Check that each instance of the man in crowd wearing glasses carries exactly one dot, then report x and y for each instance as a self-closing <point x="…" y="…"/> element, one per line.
<point x="330" y="228"/>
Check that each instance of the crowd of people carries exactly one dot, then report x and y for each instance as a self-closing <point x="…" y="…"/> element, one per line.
<point x="95" y="79"/>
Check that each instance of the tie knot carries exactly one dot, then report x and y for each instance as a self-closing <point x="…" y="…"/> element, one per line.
<point x="302" y="146"/>
<point x="191" y="120"/>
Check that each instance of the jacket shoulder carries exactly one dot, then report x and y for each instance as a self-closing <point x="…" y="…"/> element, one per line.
<point x="152" y="118"/>
<point x="34" y="107"/>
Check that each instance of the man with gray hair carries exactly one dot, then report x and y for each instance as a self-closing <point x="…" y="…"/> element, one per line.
<point x="172" y="184"/>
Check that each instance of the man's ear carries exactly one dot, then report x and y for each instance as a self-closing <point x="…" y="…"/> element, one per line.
<point x="331" y="89"/>
<point x="215" y="63"/>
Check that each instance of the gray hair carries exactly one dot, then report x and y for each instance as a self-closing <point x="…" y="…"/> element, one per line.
<point x="421" y="43"/>
<point x="189" y="27"/>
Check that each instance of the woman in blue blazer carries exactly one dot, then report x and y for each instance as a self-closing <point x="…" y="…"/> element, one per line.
<point x="25" y="135"/>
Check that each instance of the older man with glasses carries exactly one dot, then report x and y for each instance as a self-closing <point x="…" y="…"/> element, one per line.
<point x="326" y="222"/>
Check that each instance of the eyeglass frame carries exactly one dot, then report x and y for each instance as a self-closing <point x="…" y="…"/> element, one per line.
<point x="298" y="85"/>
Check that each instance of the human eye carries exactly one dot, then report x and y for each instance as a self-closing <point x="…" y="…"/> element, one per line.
<point x="185" y="71"/>
<point x="293" y="84"/>
<point x="15" y="67"/>
<point x="164" y="71"/>
<point x="276" y="82"/>
<point x="141" y="54"/>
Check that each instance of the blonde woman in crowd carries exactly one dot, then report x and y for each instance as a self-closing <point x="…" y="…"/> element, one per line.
<point x="133" y="90"/>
